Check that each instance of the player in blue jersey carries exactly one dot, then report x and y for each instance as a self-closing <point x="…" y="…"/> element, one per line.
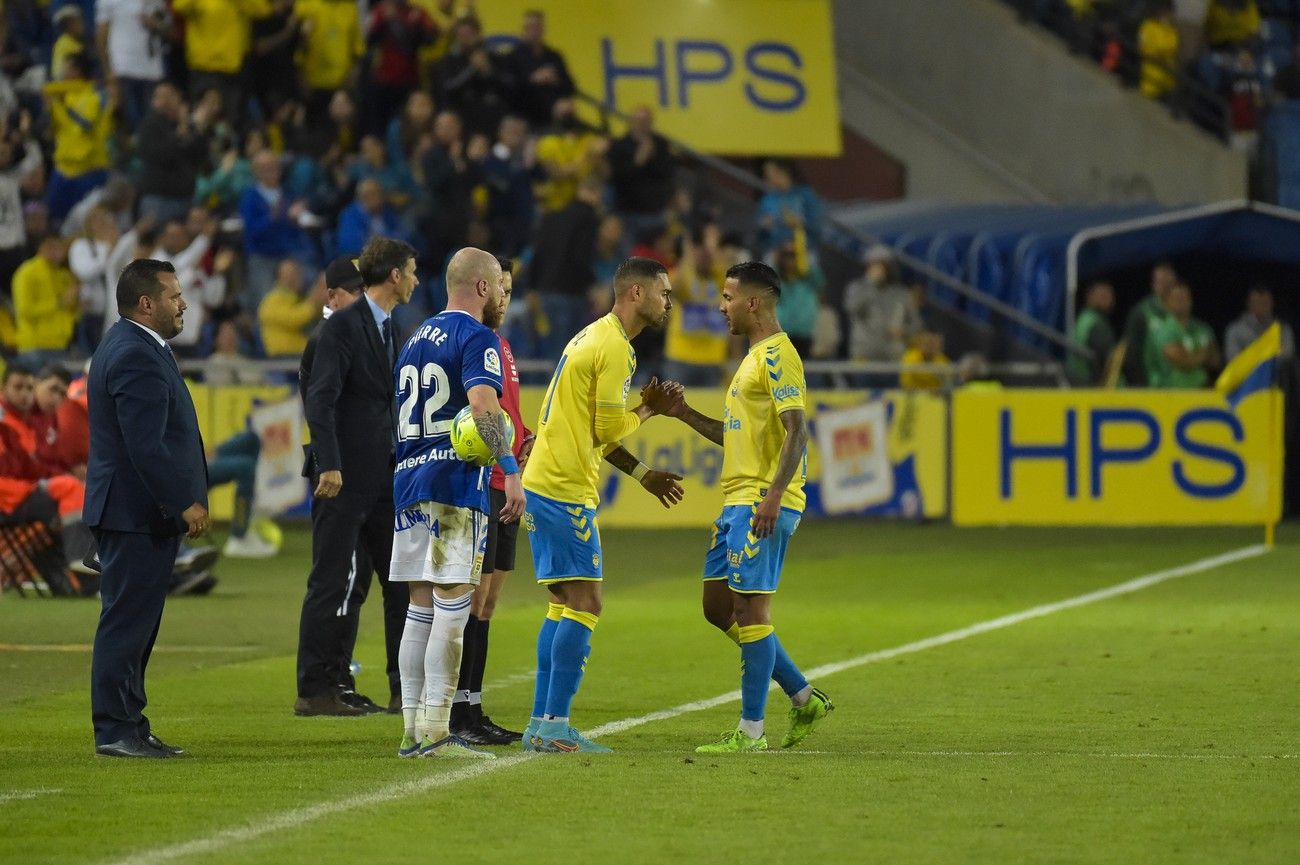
<point x="452" y="360"/>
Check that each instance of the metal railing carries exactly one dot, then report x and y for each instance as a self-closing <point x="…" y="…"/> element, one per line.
<point x="750" y="182"/>
<point x="840" y="373"/>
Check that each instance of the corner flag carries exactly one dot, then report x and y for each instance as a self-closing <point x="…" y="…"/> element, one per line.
<point x="1253" y="370"/>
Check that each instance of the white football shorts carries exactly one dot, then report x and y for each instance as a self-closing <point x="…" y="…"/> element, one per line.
<point x="437" y="543"/>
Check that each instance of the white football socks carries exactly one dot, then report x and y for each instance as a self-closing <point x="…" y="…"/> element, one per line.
<point x="442" y="662"/>
<point x="410" y="665"/>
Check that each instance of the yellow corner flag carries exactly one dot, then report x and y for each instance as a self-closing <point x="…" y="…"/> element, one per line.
<point x="1253" y="370"/>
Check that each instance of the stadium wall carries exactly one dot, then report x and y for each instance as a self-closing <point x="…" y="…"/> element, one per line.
<point x="1026" y="112"/>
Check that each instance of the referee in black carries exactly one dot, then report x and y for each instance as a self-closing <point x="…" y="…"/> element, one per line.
<point x="352" y="417"/>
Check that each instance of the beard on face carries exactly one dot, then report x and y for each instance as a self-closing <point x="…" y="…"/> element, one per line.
<point x="494" y="315"/>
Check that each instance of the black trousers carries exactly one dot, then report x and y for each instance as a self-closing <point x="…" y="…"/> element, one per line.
<point x="136" y="573"/>
<point x="343" y="528"/>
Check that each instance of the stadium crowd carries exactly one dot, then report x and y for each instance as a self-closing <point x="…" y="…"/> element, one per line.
<point x="1224" y="63"/>
<point x="250" y="142"/>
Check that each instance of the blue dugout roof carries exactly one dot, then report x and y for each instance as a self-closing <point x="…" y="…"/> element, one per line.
<point x="1033" y="257"/>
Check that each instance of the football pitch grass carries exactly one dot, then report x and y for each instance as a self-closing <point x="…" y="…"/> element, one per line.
<point x="978" y="719"/>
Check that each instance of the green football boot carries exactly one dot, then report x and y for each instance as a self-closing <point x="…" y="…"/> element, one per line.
<point x="734" y="742"/>
<point x="803" y="719"/>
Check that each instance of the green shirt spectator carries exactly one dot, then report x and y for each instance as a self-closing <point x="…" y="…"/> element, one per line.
<point x="1184" y="346"/>
<point x="1141" y="322"/>
<point x="1093" y="331"/>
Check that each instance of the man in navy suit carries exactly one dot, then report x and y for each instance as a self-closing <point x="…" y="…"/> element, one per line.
<point x="146" y="485"/>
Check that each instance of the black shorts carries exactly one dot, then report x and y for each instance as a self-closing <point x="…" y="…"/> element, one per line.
<point x="499" y="555"/>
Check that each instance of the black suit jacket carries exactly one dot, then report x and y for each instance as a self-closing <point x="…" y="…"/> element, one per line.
<point x="146" y="463"/>
<point x="349" y="403"/>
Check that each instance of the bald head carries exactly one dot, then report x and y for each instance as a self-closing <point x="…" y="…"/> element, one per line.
<point x="467" y="268"/>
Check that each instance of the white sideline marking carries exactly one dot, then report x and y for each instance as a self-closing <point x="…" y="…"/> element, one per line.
<point x="300" y="816"/>
<point x="512" y="679"/>
<point x="87" y="647"/>
<point x="1062" y="754"/>
<point x="20" y="795"/>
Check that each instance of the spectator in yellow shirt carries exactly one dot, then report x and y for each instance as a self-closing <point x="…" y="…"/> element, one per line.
<point x="286" y="313"/>
<point x="568" y="154"/>
<point x="72" y="38"/>
<point x="1231" y="23"/>
<point x="927" y="348"/>
<point x="81" y="120"/>
<point x="45" y="303"/>
<point x="217" y="39"/>
<point x="331" y="45"/>
<point x="1158" y="45"/>
<point x="695" y="347"/>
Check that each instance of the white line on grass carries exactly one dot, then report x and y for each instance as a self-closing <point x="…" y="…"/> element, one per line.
<point x="393" y="792"/>
<point x="87" y="647"/>
<point x="1098" y="755"/>
<point x="19" y="795"/>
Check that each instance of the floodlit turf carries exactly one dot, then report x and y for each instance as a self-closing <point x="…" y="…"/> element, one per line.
<point x="1155" y="727"/>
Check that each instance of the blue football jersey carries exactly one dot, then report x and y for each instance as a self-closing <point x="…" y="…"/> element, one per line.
<point x="446" y="356"/>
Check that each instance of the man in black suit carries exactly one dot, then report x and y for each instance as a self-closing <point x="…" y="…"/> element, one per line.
<point x="344" y="286"/>
<point x="146" y="485"/>
<point x="351" y="413"/>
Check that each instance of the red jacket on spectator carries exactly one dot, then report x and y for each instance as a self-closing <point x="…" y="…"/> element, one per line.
<point x="74" y="426"/>
<point x="48" y="453"/>
<point x="397" y="34"/>
<point x="510" y="402"/>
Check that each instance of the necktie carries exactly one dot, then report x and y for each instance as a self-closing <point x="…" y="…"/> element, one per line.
<point x="388" y="342"/>
<point x="387" y="329"/>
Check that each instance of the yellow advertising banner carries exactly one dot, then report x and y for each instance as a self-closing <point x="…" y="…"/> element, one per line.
<point x="741" y="77"/>
<point x="1121" y="458"/>
<point x="913" y="448"/>
<point x="884" y="458"/>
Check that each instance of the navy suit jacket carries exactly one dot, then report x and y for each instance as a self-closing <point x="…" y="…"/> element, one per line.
<point x="146" y="462"/>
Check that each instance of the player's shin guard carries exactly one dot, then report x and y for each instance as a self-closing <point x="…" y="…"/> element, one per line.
<point x="568" y="660"/>
<point x="786" y="674"/>
<point x="545" y="640"/>
<point x="784" y="671"/>
<point x="757" y="659"/>
<point x="410" y="663"/>
<point x="442" y="662"/>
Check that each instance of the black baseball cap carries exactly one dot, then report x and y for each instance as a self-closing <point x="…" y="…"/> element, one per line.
<point x="342" y="273"/>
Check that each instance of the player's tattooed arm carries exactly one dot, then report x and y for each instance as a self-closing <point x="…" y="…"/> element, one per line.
<point x="706" y="426"/>
<point x="673" y="397"/>
<point x="665" y="486"/>
<point x="491" y="427"/>
<point x="787" y="463"/>
<point x="622" y="459"/>
<point x="792" y="449"/>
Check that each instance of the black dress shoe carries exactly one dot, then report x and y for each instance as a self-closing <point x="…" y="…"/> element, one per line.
<point x="154" y="742"/>
<point x="494" y="734"/>
<point x="132" y="747"/>
<point x="325" y="704"/>
<point x="360" y="701"/>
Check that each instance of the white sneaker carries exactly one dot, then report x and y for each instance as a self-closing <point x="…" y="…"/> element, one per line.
<point x="250" y="546"/>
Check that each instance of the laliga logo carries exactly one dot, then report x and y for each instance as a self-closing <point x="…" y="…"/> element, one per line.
<point x="1100" y="419"/>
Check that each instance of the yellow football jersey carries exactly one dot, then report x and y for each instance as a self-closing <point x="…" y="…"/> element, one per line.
<point x="770" y="381"/>
<point x="584" y="414"/>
